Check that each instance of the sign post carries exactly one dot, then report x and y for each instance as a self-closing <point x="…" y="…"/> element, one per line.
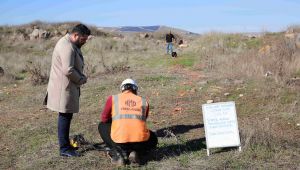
<point x="221" y="126"/>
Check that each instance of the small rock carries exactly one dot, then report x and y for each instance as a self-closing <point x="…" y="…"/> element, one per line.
<point x="241" y="95"/>
<point x="177" y="109"/>
<point x="15" y="85"/>
<point x="193" y="90"/>
<point x="43" y="109"/>
<point x="209" y="101"/>
<point x="268" y="73"/>
<point x="226" y="94"/>
<point x="182" y="93"/>
<point x="298" y="124"/>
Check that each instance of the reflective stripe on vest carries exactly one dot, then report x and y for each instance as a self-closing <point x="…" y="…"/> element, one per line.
<point x="129" y="116"/>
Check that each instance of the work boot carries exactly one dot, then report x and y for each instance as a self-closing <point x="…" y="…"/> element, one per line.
<point x="116" y="158"/>
<point x="70" y="153"/>
<point x="134" y="158"/>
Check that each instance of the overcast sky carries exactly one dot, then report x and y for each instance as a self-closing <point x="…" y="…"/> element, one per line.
<point x="192" y="15"/>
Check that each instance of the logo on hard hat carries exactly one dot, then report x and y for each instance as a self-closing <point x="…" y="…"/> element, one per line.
<point x="130" y="103"/>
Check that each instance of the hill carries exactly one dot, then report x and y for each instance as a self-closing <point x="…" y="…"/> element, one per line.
<point x="149" y="29"/>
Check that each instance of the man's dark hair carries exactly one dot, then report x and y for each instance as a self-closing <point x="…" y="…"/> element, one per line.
<point x="130" y="87"/>
<point x="81" y="29"/>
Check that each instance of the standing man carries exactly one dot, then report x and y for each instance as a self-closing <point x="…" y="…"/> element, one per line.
<point x="169" y="40"/>
<point x="123" y="125"/>
<point x="66" y="77"/>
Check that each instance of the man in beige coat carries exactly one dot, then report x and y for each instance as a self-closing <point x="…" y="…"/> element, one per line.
<point x="66" y="77"/>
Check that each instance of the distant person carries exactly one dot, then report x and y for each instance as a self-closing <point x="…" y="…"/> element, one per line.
<point x="169" y="40"/>
<point x="123" y="125"/>
<point x="66" y="77"/>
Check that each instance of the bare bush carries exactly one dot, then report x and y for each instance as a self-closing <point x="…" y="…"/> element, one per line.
<point x="90" y="68"/>
<point x="115" y="68"/>
<point x="281" y="61"/>
<point x="37" y="77"/>
<point x="264" y="133"/>
<point x="259" y="133"/>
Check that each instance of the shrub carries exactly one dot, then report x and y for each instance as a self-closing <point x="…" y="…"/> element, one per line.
<point x="37" y="77"/>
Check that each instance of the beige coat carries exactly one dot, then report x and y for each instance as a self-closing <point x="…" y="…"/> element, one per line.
<point x="66" y="76"/>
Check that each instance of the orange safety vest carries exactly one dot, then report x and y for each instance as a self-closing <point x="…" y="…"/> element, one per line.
<point x="129" y="118"/>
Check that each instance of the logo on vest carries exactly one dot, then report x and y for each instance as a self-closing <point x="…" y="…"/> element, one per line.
<point x="130" y="103"/>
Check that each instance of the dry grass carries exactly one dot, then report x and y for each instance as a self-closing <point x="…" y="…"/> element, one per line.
<point x="212" y="65"/>
<point x="238" y="57"/>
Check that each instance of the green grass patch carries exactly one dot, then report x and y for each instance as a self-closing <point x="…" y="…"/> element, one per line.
<point x="31" y="140"/>
<point x="184" y="62"/>
<point x="261" y="152"/>
<point x="233" y="97"/>
<point x="156" y="61"/>
<point x="236" y="40"/>
<point x="287" y="96"/>
<point x="232" y="40"/>
<point x="236" y="164"/>
<point x="296" y="74"/>
<point x="21" y="75"/>
<point x="184" y="88"/>
<point x="161" y="79"/>
<point x="253" y="43"/>
<point x="150" y="125"/>
<point x="184" y="160"/>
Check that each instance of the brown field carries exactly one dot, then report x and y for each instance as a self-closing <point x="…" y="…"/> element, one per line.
<point x="259" y="73"/>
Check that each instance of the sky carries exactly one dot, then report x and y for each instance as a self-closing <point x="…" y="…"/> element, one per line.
<point x="191" y="15"/>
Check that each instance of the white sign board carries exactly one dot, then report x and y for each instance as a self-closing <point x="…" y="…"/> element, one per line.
<point x="221" y="126"/>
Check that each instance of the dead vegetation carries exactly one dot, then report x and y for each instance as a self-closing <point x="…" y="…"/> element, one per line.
<point x="35" y="70"/>
<point x="259" y="73"/>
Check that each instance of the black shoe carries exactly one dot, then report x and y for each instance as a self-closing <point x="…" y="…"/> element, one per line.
<point x="134" y="158"/>
<point x="116" y="158"/>
<point x="70" y="153"/>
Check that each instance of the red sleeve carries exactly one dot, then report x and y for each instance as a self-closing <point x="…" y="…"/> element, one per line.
<point x="147" y="111"/>
<point x="106" y="113"/>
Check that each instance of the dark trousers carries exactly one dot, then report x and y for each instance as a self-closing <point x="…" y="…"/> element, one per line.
<point x="64" y="122"/>
<point x="140" y="147"/>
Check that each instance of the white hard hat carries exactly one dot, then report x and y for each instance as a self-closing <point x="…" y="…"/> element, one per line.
<point x="131" y="82"/>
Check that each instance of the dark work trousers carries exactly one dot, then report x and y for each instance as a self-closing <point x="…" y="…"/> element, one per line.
<point x="140" y="147"/>
<point x="64" y="122"/>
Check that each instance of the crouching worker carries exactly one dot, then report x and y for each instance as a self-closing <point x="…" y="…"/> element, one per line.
<point x="123" y="126"/>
